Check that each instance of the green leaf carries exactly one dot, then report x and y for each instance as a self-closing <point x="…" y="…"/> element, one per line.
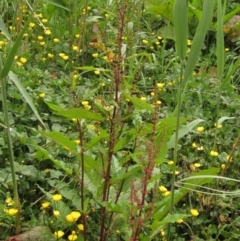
<point x="10" y="57"/>
<point x="180" y="21"/>
<point x="222" y="119"/>
<point x="80" y="113"/>
<point x="57" y="5"/>
<point x="184" y="131"/>
<point x="4" y="29"/>
<point x="103" y="135"/>
<point x="140" y="104"/>
<point x="25" y="95"/>
<point x="53" y="107"/>
<point x="62" y="140"/>
<point x="44" y="155"/>
<point x="163" y="207"/>
<point x="171" y="218"/>
<point x="220" y="41"/>
<point x="165" y="130"/>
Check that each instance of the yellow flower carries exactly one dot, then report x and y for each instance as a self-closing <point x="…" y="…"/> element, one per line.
<point x="42" y="43"/>
<point x="44" y="20"/>
<point x="65" y="57"/>
<point x="50" y="55"/>
<point x="158" y="102"/>
<point x="56" y="40"/>
<point x="144" y="41"/>
<point x="162" y="189"/>
<point x="218" y="126"/>
<point x="160" y="85"/>
<point x="167" y="193"/>
<point x="72" y="236"/>
<point x="58" y="234"/>
<point x="56" y="213"/>
<point x="76" y="215"/>
<point x="194" y="145"/>
<point x="42" y="95"/>
<point x="200" y="129"/>
<point x="45" y="204"/>
<point x="85" y="102"/>
<point x="201" y="148"/>
<point x="106" y="15"/>
<point x="73" y="216"/>
<point x="77" y="141"/>
<point x="12" y="211"/>
<point x="213" y="153"/>
<point x="75" y="47"/>
<point x="97" y="72"/>
<point x="23" y="60"/>
<point x="61" y="55"/>
<point x="40" y="15"/>
<point x="77" y="35"/>
<point x="95" y="55"/>
<point x="40" y="37"/>
<point x="223" y="166"/>
<point x="179" y="221"/>
<point x="197" y="164"/>
<point x="87" y="107"/>
<point x="43" y="59"/>
<point x="80" y="227"/>
<point x="170" y="163"/>
<point x="143" y="98"/>
<point x="9" y="201"/>
<point x="70" y="218"/>
<point x="31" y="25"/>
<point x="57" y="197"/>
<point x="194" y="212"/>
<point x="47" y="32"/>
<point x="189" y="42"/>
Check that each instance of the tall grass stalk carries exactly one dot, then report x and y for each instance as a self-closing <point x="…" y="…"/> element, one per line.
<point x="10" y="153"/>
<point x="180" y="14"/>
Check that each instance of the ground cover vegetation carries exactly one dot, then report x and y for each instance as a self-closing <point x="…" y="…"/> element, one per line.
<point x="119" y="120"/>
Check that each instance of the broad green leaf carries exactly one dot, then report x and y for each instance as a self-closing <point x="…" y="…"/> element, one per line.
<point x="4" y="29"/>
<point x="54" y="107"/>
<point x="61" y="139"/>
<point x="45" y="155"/>
<point x="184" y="131"/>
<point x="25" y="95"/>
<point x="103" y="135"/>
<point x="11" y="54"/>
<point x="140" y="104"/>
<point x="80" y="113"/>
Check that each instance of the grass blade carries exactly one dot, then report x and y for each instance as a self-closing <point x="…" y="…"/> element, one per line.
<point x="25" y="95"/>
